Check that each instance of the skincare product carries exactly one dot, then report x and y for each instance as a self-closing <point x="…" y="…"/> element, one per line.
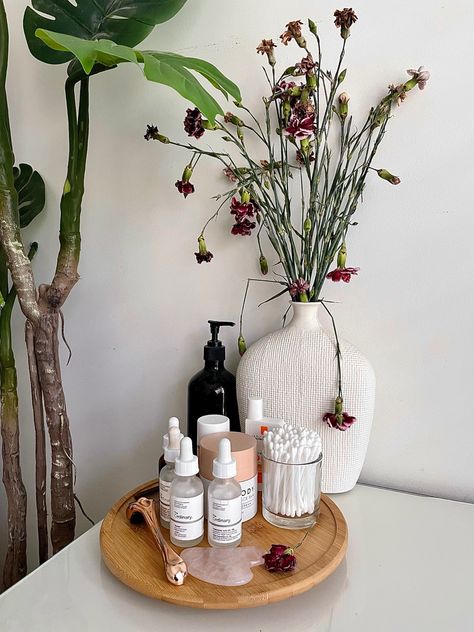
<point x="224" y="521"/>
<point x="212" y="390"/>
<point x="173" y="422"/>
<point x="291" y="477"/>
<point x="209" y="424"/>
<point x="186" y="504"/>
<point x="244" y="451"/>
<point x="256" y="425"/>
<point x="167" y="474"/>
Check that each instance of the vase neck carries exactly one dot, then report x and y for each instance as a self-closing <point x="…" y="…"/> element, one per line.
<point x="305" y="317"/>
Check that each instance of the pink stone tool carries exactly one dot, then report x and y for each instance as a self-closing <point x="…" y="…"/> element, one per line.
<point x="224" y="567"/>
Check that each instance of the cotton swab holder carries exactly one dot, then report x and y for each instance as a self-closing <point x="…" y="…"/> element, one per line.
<point x="292" y="460"/>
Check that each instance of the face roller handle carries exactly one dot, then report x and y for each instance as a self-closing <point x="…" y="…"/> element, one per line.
<point x="175" y="567"/>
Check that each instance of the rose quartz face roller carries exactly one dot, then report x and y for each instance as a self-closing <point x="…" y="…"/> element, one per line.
<point x="175" y="567"/>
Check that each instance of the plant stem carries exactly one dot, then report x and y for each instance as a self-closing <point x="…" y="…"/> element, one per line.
<point x="15" y="561"/>
<point x="40" y="445"/>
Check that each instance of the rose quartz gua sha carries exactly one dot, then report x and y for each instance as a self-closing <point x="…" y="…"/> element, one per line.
<point x="224" y="567"/>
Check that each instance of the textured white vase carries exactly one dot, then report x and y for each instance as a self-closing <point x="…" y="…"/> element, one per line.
<point x="294" y="370"/>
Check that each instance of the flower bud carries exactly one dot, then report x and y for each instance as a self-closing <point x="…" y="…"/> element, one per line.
<point x="242" y="345"/>
<point x="245" y="196"/>
<point x="208" y="125"/>
<point x="342" y="256"/>
<point x="307" y="224"/>
<point x="305" y="146"/>
<point x="386" y="175"/>
<point x="342" y="76"/>
<point x="311" y="81"/>
<point x="187" y="173"/>
<point x="263" y="264"/>
<point x="240" y="134"/>
<point x="286" y="109"/>
<point x="343" y="105"/>
<point x="232" y="118"/>
<point x="312" y="27"/>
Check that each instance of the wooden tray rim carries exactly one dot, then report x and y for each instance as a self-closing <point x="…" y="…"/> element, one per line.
<point x="332" y="558"/>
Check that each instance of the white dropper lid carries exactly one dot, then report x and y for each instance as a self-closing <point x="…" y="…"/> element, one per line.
<point x="186" y="464"/>
<point x="255" y="409"/>
<point x="171" y="451"/>
<point x="224" y="465"/>
<point x="173" y="422"/>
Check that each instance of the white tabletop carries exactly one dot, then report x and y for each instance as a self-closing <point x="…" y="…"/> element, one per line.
<point x="409" y="568"/>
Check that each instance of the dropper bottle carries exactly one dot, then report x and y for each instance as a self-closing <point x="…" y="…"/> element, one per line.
<point x="224" y="523"/>
<point x="167" y="474"/>
<point x="173" y="422"/>
<point x="187" y="494"/>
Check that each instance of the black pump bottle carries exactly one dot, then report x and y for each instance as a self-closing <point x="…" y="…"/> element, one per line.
<point x="212" y="390"/>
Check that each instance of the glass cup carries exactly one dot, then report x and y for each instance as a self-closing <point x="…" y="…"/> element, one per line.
<point x="291" y="493"/>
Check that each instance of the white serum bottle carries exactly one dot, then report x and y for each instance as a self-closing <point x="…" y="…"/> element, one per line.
<point x="186" y="499"/>
<point x="224" y="522"/>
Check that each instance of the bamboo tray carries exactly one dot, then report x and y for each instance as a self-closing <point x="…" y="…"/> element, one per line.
<point x="130" y="554"/>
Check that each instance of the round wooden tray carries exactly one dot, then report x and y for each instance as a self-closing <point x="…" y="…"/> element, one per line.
<point x="130" y="554"/>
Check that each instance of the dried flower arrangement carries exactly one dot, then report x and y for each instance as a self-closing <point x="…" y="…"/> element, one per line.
<point x="307" y="229"/>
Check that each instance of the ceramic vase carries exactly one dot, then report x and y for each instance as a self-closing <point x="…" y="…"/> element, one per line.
<point x="294" y="370"/>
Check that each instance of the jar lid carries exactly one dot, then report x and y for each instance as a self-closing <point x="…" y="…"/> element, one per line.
<point x="243" y="448"/>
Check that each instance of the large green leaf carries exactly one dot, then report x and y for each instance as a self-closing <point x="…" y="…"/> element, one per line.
<point x="125" y="22"/>
<point x="31" y="196"/>
<point x="165" y="68"/>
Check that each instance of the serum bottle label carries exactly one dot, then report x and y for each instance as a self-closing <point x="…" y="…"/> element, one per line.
<point x="186" y="517"/>
<point x="249" y="498"/>
<point x="165" y="497"/>
<point x="225" y="520"/>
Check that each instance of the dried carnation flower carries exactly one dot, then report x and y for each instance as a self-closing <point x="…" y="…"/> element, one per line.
<point x="293" y="31"/>
<point x="345" y="18"/>
<point x="281" y="558"/>
<point x="339" y="419"/>
<point x="266" y="48"/>
<point x="342" y="274"/>
<point x="203" y="255"/>
<point x="193" y="123"/>
<point x="421" y="76"/>
<point x="298" y="287"/>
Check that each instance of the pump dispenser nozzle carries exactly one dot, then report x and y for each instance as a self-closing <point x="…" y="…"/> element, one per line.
<point x="214" y="350"/>
<point x="224" y="466"/>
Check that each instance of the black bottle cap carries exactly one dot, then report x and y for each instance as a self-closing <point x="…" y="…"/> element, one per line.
<point x="215" y="350"/>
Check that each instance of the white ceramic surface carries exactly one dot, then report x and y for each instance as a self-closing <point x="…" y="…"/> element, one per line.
<point x="294" y="370"/>
<point x="408" y="569"/>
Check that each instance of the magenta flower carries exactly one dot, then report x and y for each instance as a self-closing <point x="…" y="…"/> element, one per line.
<point x="343" y="421"/>
<point x="229" y="174"/>
<point x="339" y="419"/>
<point x="243" y="227"/>
<point x="203" y="255"/>
<point x="193" y="123"/>
<point x="298" y="287"/>
<point x="241" y="209"/>
<point x="184" y="187"/>
<point x="300" y="127"/>
<point x="280" y="559"/>
<point x="342" y="274"/>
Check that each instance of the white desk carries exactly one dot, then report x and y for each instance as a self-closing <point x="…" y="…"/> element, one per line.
<point x="409" y="568"/>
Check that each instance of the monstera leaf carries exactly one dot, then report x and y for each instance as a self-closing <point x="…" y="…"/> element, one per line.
<point x="169" y="69"/>
<point x="29" y="186"/>
<point x="125" y="22"/>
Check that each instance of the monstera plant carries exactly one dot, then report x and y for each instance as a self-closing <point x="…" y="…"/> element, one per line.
<point x="29" y="187"/>
<point x="92" y="37"/>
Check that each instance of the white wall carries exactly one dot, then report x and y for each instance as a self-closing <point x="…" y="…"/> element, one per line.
<point x="137" y="320"/>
